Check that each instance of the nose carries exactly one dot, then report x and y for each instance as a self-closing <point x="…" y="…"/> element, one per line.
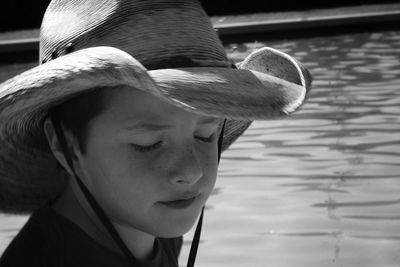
<point x="187" y="167"/>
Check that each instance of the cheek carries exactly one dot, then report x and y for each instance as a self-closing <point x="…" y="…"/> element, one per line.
<point x="117" y="179"/>
<point x="208" y="156"/>
<point x="210" y="163"/>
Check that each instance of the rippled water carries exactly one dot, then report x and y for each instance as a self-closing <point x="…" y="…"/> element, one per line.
<point x="321" y="188"/>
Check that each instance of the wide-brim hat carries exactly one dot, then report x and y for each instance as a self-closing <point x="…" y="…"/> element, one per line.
<point x="166" y="48"/>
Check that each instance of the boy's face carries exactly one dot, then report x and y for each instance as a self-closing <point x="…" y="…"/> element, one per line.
<point x="150" y="165"/>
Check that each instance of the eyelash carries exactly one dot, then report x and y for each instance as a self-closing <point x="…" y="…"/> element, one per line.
<point x="152" y="147"/>
<point x="140" y="148"/>
<point x="207" y="139"/>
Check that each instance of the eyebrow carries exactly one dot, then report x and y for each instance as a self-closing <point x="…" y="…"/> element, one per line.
<point x="149" y="126"/>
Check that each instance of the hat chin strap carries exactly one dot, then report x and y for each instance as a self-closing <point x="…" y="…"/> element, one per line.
<point x="102" y="215"/>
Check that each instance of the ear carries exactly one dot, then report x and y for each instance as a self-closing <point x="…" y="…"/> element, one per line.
<point x="54" y="143"/>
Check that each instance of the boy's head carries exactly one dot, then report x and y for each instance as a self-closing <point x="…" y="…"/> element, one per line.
<point x="149" y="164"/>
<point x="167" y="50"/>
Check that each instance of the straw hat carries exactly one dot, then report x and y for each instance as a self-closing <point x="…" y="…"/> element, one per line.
<point x="164" y="47"/>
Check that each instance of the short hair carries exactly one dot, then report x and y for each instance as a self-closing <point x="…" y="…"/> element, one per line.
<point x="76" y="113"/>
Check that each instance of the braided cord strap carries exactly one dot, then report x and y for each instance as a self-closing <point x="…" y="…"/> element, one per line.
<point x="92" y="201"/>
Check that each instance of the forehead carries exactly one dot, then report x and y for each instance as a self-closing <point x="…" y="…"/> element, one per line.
<point x="126" y="105"/>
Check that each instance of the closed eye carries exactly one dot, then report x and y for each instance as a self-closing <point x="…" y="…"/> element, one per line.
<point x="146" y="148"/>
<point x="209" y="139"/>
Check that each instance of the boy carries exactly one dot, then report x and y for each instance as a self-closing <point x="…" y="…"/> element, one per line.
<point x="114" y="140"/>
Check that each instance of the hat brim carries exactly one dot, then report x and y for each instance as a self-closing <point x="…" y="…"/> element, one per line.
<point x="240" y="95"/>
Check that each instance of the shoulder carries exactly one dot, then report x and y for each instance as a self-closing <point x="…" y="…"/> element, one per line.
<point x="37" y="244"/>
<point x="50" y="240"/>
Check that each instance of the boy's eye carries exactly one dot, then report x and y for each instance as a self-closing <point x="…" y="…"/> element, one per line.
<point x="141" y="148"/>
<point x="147" y="148"/>
<point x="209" y="139"/>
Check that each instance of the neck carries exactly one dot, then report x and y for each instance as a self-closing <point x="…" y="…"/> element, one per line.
<point x="139" y="243"/>
<point x="73" y="205"/>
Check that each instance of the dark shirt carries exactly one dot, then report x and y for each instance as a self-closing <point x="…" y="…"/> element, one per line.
<point x="49" y="239"/>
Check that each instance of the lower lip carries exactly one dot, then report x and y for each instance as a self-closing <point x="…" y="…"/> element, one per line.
<point x="179" y="204"/>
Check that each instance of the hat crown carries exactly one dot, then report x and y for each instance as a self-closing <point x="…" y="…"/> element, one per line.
<point x="158" y="33"/>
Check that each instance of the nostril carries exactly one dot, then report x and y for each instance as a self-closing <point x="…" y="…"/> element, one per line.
<point x="187" y="180"/>
<point x="181" y="181"/>
<point x="188" y="176"/>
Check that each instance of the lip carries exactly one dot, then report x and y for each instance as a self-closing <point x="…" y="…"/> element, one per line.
<point x="181" y="202"/>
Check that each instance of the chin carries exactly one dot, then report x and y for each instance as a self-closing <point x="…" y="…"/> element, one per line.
<point x="171" y="233"/>
<point x="176" y="228"/>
